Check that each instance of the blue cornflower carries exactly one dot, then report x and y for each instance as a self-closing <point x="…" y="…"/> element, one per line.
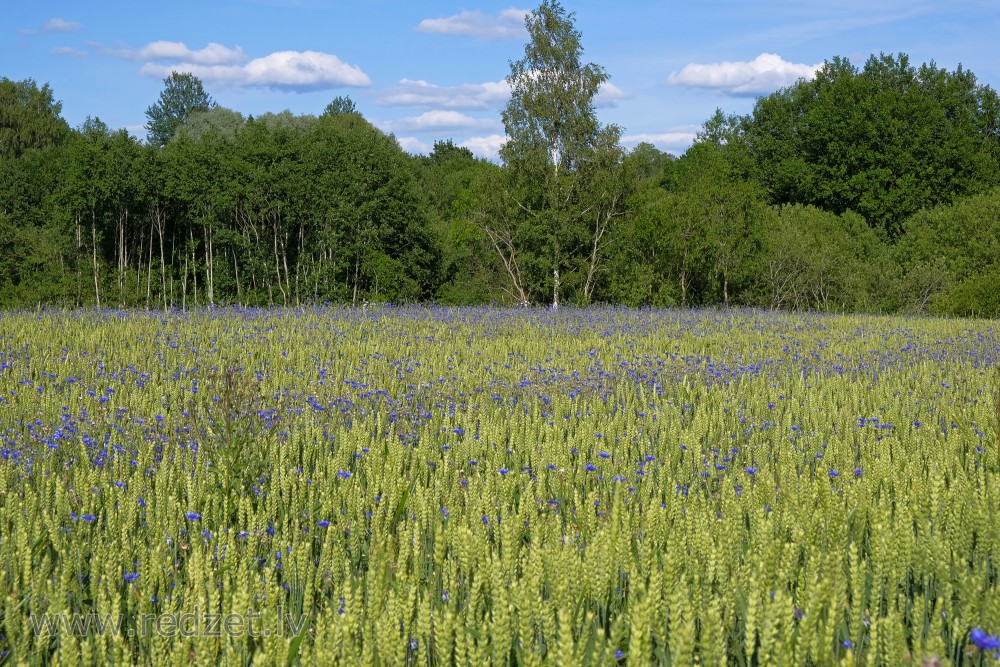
<point x="751" y="471"/>
<point x="984" y="641"/>
<point x="323" y="524"/>
<point x="193" y="516"/>
<point x="590" y="467"/>
<point x="131" y="576"/>
<point x="847" y="643"/>
<point x="604" y="455"/>
<point x="89" y="517"/>
<point x="503" y="471"/>
<point x="834" y="473"/>
<point x="343" y="474"/>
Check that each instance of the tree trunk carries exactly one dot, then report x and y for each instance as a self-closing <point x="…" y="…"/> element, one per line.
<point x="236" y="273"/>
<point x="149" y="270"/>
<point x="93" y="230"/>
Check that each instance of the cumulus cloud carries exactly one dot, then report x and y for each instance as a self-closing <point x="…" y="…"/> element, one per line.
<point x="438" y="120"/>
<point x="764" y="74"/>
<point x="509" y="24"/>
<point x="213" y="54"/>
<point x="413" y="145"/>
<point x="54" y="25"/>
<point x="412" y="93"/>
<point x="223" y="66"/>
<point x="608" y="95"/>
<point x="487" y="146"/>
<point x="674" y="141"/>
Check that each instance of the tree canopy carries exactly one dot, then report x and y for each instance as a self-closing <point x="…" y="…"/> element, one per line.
<point x="29" y="118"/>
<point x="884" y="141"/>
<point x="182" y="96"/>
<point x="559" y="190"/>
<point x="863" y="189"/>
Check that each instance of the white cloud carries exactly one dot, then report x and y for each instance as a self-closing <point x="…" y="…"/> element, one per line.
<point x="509" y="24"/>
<point x="764" y="74"/>
<point x="413" y="145"/>
<point x="68" y="51"/>
<point x="300" y="69"/>
<point x="213" y="54"/>
<point x="675" y="141"/>
<point x="487" y="147"/>
<point x="438" y="120"/>
<point x="412" y="93"/>
<point x="286" y="70"/>
<point x="608" y="95"/>
<point x="60" y="25"/>
<point x="53" y="25"/>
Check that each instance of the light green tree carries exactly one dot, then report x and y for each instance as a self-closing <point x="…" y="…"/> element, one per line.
<point x="559" y="181"/>
<point x="340" y="104"/>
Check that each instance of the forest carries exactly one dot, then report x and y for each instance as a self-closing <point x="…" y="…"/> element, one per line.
<point x="866" y="189"/>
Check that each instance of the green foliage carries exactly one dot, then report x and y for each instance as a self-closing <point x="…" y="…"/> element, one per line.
<point x="884" y="142"/>
<point x="817" y="260"/>
<point x="340" y="105"/>
<point x="182" y="95"/>
<point x="976" y="296"/>
<point x="956" y="247"/>
<point x="220" y="120"/>
<point x="550" y="119"/>
<point x="468" y="271"/>
<point x="561" y="190"/>
<point x="287" y="209"/>
<point x="696" y="229"/>
<point x="29" y="118"/>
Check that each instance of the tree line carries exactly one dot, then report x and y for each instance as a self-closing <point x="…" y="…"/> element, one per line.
<point x="870" y="189"/>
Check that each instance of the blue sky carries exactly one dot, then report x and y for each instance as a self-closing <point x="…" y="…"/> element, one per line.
<point x="435" y="70"/>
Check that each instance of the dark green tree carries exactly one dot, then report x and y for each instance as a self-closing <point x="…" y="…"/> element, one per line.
<point x="468" y="269"/>
<point x="884" y="141"/>
<point x="182" y="95"/>
<point x="29" y="118"/>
